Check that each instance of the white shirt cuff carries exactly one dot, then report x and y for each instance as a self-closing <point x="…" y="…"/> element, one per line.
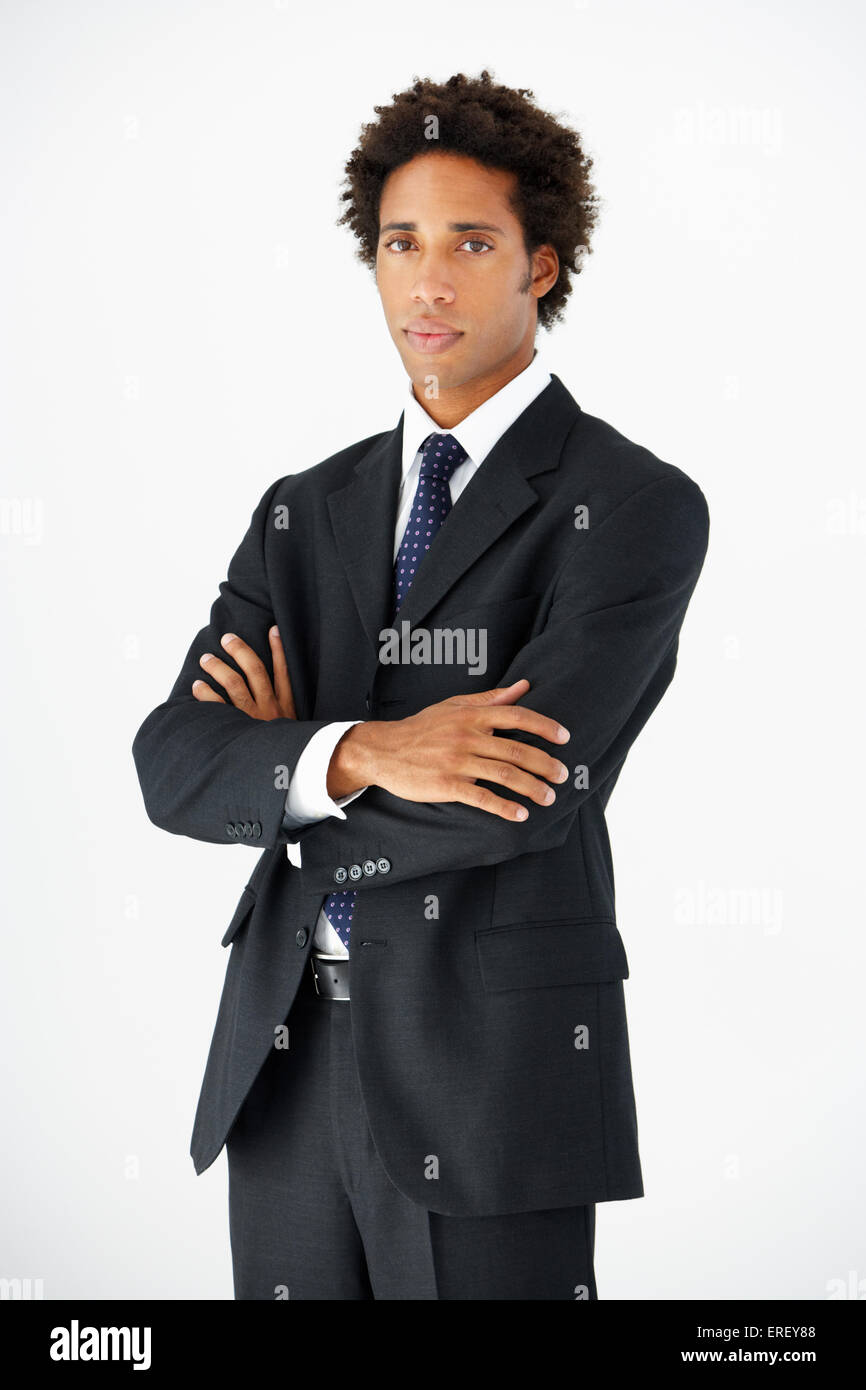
<point x="307" y="799"/>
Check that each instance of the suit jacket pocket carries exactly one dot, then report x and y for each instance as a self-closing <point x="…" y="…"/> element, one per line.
<point x="242" y="912"/>
<point x="543" y="954"/>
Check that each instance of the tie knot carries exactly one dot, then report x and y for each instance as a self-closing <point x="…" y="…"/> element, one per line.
<point x="440" y="455"/>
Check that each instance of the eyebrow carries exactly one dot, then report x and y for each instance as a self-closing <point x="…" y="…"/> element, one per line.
<point x="452" y="227"/>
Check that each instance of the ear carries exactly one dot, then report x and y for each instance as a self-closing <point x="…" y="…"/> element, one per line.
<point x="544" y="270"/>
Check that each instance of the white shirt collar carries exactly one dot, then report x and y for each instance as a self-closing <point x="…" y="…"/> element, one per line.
<point x="479" y="431"/>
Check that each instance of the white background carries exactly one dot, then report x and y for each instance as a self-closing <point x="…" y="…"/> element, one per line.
<point x="182" y="323"/>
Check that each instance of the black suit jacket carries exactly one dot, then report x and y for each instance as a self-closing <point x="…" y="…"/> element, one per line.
<point x="486" y="968"/>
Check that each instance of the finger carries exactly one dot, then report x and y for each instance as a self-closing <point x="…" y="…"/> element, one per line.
<point x="282" y="683"/>
<point x="202" y="691"/>
<point x="529" y="721"/>
<point x="253" y="667"/>
<point x="489" y="770"/>
<point x="504" y="694"/>
<point x="500" y="695"/>
<point x="522" y="755"/>
<point x="470" y="794"/>
<point x="234" y="685"/>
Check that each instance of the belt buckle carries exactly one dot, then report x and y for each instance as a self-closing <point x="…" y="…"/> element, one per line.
<point x="323" y="961"/>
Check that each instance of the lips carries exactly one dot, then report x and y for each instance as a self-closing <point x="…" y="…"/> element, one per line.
<point x="437" y="326"/>
<point x="431" y="335"/>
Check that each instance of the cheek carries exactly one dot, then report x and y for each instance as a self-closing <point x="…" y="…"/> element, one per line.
<point x="392" y="284"/>
<point x="492" y="284"/>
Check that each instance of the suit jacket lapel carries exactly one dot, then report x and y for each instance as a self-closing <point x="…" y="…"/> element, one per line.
<point x="364" y="513"/>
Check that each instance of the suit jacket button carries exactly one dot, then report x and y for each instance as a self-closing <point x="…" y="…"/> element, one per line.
<point x="301" y="936"/>
<point x="383" y="865"/>
<point x="230" y="830"/>
<point x="369" y="867"/>
<point x="340" y="875"/>
<point x="257" y="830"/>
<point x="355" y="872"/>
<point x="248" y="829"/>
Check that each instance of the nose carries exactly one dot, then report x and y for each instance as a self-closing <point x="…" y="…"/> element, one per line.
<point x="432" y="285"/>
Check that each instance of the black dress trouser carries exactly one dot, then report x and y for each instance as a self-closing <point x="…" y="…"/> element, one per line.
<point x="314" y="1215"/>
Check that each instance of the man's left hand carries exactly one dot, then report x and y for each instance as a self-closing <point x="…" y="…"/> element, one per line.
<point x="255" y="695"/>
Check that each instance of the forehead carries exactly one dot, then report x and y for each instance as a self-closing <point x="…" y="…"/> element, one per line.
<point x="445" y="187"/>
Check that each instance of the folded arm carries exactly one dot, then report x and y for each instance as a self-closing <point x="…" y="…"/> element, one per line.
<point x="210" y="770"/>
<point x="600" y="666"/>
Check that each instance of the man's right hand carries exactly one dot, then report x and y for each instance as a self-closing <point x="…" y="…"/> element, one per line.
<point x="442" y="752"/>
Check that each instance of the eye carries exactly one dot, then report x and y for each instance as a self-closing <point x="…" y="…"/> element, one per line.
<point x="397" y="241"/>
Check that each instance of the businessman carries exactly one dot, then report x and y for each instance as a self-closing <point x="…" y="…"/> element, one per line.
<point x="415" y="694"/>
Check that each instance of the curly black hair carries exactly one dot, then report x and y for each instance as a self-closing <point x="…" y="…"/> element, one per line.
<point x="501" y="128"/>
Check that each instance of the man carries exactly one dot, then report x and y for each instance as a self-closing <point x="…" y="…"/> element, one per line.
<point x="423" y="674"/>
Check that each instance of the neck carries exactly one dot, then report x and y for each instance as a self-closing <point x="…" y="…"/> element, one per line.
<point x="454" y="403"/>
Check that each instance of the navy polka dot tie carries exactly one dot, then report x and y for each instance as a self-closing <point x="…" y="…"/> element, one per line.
<point x="440" y="455"/>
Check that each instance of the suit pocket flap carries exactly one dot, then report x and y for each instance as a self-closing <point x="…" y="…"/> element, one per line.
<point x="242" y="911"/>
<point x="537" y="954"/>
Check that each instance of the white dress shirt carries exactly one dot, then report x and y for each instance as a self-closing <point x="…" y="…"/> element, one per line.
<point x="307" y="799"/>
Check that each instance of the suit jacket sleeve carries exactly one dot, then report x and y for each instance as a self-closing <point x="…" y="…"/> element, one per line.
<point x="208" y="770"/>
<point x="600" y="665"/>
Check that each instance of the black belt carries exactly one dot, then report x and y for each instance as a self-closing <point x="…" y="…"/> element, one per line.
<point x="330" y="976"/>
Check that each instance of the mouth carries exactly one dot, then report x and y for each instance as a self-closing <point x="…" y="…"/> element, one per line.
<point x="431" y="342"/>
